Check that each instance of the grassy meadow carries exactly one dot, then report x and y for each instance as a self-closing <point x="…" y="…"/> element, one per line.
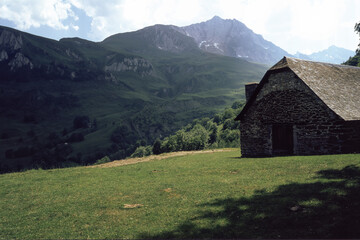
<point x="208" y="195"/>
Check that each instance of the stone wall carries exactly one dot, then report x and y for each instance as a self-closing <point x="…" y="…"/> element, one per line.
<point x="285" y="99"/>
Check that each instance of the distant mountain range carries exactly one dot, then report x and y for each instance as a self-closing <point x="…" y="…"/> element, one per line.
<point x="223" y="37"/>
<point x="75" y="100"/>
<point x="332" y="54"/>
<point x="232" y="38"/>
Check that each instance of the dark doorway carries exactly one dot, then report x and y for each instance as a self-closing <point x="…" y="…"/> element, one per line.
<point x="282" y="139"/>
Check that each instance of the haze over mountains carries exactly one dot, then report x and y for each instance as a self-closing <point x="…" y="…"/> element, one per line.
<point x="232" y="38"/>
<point x="332" y="54"/>
<point x="75" y="100"/>
<point x="223" y="37"/>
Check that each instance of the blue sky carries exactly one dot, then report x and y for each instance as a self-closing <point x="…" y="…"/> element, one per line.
<point x="294" y="25"/>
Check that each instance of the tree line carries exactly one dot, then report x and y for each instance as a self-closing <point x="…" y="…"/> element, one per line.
<point x="205" y="133"/>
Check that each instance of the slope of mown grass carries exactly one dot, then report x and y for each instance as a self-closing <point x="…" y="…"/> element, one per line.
<point x="214" y="195"/>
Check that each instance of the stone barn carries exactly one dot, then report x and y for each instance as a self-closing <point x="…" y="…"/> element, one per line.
<point x="302" y="108"/>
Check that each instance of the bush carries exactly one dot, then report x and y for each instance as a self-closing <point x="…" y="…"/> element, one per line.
<point x="123" y="137"/>
<point x="198" y="138"/>
<point x="219" y="132"/>
<point x="237" y="105"/>
<point x="230" y="136"/>
<point x="217" y="118"/>
<point x="105" y="159"/>
<point x="170" y="144"/>
<point x="156" y="149"/>
<point x="229" y="114"/>
<point x="142" y="151"/>
<point x="227" y="124"/>
<point x="213" y="136"/>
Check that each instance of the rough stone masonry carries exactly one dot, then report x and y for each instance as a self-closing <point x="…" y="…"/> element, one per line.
<point x="290" y="114"/>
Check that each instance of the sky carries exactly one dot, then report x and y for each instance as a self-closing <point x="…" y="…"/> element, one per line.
<point x="306" y="26"/>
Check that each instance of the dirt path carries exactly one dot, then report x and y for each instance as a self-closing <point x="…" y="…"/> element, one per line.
<point x="128" y="161"/>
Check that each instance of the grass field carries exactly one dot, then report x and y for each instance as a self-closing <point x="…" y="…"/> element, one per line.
<point x="209" y="195"/>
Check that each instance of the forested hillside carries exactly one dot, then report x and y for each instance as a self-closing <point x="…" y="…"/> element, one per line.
<point x="75" y="101"/>
<point x="354" y="61"/>
<point x="220" y="131"/>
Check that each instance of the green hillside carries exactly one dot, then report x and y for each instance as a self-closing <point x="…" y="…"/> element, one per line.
<point x="74" y="101"/>
<point x="208" y="195"/>
<point x="354" y="61"/>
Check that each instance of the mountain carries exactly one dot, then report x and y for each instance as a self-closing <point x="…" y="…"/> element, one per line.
<point x="302" y="56"/>
<point x="332" y="54"/>
<point x="150" y="40"/>
<point x="223" y="37"/>
<point x="75" y="100"/>
<point x="232" y="38"/>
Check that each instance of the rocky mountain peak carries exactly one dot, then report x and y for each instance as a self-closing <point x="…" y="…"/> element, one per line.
<point x="231" y="37"/>
<point x="228" y="37"/>
<point x="216" y="18"/>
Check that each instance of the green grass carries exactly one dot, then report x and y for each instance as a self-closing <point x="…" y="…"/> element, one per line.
<point x="217" y="195"/>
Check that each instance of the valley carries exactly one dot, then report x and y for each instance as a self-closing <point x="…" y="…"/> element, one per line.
<point x="74" y="101"/>
<point x="119" y="85"/>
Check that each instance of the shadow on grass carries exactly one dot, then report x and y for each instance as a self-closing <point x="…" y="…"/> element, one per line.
<point x="328" y="208"/>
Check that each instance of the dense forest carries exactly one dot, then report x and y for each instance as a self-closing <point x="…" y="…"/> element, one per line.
<point x="72" y="102"/>
<point x="204" y="133"/>
<point x="57" y="150"/>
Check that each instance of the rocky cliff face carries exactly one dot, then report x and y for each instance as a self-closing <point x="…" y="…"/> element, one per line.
<point x="134" y="64"/>
<point x="10" y="40"/>
<point x="3" y="56"/>
<point x="150" y="39"/>
<point x="232" y="38"/>
<point x="167" y="38"/>
<point x="11" y="44"/>
<point x="20" y="61"/>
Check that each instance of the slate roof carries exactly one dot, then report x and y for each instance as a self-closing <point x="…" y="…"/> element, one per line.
<point x="338" y="86"/>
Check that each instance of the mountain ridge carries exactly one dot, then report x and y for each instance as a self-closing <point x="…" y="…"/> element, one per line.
<point x="332" y="54"/>
<point x="227" y="37"/>
<point x="123" y="92"/>
<point x="124" y="95"/>
<point x="232" y="38"/>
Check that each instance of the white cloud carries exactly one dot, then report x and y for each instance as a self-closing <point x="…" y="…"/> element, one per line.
<point x="75" y="27"/>
<point x="129" y="15"/>
<point x="26" y="14"/>
<point x="306" y="25"/>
